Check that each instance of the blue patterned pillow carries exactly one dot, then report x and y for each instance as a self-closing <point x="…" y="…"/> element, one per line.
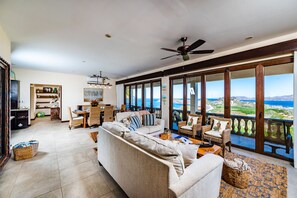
<point x="149" y="119"/>
<point x="132" y="127"/>
<point x="136" y="121"/>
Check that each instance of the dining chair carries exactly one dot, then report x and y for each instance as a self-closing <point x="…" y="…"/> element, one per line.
<point x="74" y="121"/>
<point x="108" y="114"/>
<point x="94" y="116"/>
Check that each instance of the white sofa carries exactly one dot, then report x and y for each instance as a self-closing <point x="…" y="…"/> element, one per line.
<point x="141" y="174"/>
<point x="152" y="130"/>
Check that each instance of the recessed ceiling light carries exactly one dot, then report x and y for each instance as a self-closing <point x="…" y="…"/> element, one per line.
<point x="107" y="35"/>
<point x="248" y="38"/>
<point x="83" y="61"/>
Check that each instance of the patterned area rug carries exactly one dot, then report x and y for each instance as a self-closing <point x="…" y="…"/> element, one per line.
<point x="267" y="180"/>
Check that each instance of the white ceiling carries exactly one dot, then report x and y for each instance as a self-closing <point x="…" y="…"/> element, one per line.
<point x="57" y="35"/>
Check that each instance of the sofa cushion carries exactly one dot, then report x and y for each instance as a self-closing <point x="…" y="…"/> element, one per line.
<point x="187" y="127"/>
<point x="189" y="152"/>
<point x="154" y="128"/>
<point x="116" y="128"/>
<point x="163" y="149"/>
<point x="214" y="133"/>
<point x="136" y="121"/>
<point x="149" y="119"/>
<point x="121" y="115"/>
<point x="144" y="130"/>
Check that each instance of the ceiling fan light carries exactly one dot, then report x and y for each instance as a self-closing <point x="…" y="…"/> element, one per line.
<point x="186" y="57"/>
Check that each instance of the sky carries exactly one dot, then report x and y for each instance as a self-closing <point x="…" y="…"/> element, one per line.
<point x="276" y="85"/>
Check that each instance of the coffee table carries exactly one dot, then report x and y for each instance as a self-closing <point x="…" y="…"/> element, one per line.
<point x="215" y="149"/>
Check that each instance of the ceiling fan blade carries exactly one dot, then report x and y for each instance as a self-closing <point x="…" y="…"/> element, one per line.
<point x="170" y="50"/>
<point x="169" y="56"/>
<point x="202" y="52"/>
<point x="195" y="45"/>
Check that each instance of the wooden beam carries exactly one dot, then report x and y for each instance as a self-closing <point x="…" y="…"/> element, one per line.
<point x="227" y="93"/>
<point x="259" y="109"/>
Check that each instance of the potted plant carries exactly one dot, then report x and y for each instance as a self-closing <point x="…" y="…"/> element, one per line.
<point x="94" y="103"/>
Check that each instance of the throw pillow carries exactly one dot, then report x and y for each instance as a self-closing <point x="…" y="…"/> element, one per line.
<point x="192" y="120"/>
<point x="189" y="152"/>
<point x="149" y="119"/>
<point x="223" y="126"/>
<point x="136" y="121"/>
<point x="126" y="122"/>
<point x="219" y="125"/>
<point x="132" y="127"/>
<point x="161" y="148"/>
<point x="116" y="128"/>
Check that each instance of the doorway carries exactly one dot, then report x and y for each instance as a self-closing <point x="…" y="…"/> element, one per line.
<point x="45" y="101"/>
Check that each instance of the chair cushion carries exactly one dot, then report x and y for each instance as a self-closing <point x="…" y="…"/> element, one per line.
<point x="149" y="119"/>
<point x="136" y="121"/>
<point x="166" y="150"/>
<point x="214" y="133"/>
<point x="187" y="128"/>
<point x="78" y="118"/>
<point x="192" y="120"/>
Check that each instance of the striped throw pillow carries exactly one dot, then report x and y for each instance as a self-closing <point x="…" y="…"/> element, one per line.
<point x="149" y="119"/>
<point x="136" y="121"/>
<point x="132" y="127"/>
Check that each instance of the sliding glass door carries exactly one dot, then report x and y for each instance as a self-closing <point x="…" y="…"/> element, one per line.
<point x="177" y="102"/>
<point x="243" y="108"/>
<point x="194" y="95"/>
<point x="278" y="110"/>
<point x="139" y="97"/>
<point x="147" y="96"/>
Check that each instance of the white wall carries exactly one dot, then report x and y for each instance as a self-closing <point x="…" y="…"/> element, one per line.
<point x="72" y="87"/>
<point x="5" y="46"/>
<point x="295" y="109"/>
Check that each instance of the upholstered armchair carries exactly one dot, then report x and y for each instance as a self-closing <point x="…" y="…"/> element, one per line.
<point x="219" y="131"/>
<point x="192" y="126"/>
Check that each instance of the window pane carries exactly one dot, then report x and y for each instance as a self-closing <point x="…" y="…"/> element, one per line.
<point x="133" y="97"/>
<point x="156" y="95"/>
<point x="243" y="108"/>
<point x="177" y="102"/>
<point x="139" y="96"/>
<point x="194" y="95"/>
<point x="147" y="96"/>
<point x="278" y="114"/>
<point x="215" y="94"/>
<point x="127" y="97"/>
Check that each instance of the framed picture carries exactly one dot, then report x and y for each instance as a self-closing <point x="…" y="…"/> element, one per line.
<point x="93" y="94"/>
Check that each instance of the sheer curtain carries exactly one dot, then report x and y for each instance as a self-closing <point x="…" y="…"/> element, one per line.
<point x="120" y="95"/>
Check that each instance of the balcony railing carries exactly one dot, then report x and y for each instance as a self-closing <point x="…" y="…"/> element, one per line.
<point x="277" y="132"/>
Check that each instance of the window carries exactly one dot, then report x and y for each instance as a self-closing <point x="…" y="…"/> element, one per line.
<point x="177" y="102"/>
<point x="194" y="95"/>
<point x="215" y="94"/>
<point x="146" y="95"/>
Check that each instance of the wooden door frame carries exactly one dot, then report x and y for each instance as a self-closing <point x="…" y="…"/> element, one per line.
<point x="6" y="141"/>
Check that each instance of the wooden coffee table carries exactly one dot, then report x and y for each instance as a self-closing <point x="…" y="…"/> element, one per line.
<point x="215" y="149"/>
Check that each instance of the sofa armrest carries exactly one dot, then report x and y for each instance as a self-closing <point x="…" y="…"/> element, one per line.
<point x="161" y="122"/>
<point x="196" y="174"/>
<point x="226" y="135"/>
<point x="206" y="128"/>
<point x="182" y="123"/>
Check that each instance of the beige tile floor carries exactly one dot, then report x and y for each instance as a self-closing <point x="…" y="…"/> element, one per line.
<point x="66" y="165"/>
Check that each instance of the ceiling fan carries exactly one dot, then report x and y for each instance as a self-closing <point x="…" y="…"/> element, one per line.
<point x="185" y="50"/>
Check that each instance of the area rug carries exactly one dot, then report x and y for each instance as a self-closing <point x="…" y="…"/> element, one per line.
<point x="267" y="180"/>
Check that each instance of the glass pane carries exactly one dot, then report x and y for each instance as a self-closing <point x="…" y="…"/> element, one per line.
<point x="215" y="95"/>
<point x="133" y="98"/>
<point x="139" y="97"/>
<point x="147" y="96"/>
<point x="278" y="114"/>
<point x="2" y="81"/>
<point x="156" y="95"/>
<point x="127" y="97"/>
<point x="177" y="102"/>
<point x="243" y="108"/>
<point x="194" y="95"/>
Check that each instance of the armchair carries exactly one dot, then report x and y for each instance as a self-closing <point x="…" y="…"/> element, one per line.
<point x="192" y="128"/>
<point x="218" y="131"/>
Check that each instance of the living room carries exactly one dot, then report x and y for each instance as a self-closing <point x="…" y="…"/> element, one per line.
<point x="218" y="77"/>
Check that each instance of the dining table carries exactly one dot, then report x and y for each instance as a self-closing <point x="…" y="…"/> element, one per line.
<point x="85" y="115"/>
